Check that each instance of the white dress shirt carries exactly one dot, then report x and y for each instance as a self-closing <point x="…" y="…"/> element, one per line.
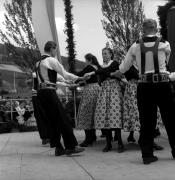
<point x="134" y="57"/>
<point x="53" y="64"/>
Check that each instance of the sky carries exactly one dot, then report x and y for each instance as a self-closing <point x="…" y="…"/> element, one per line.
<point x="89" y="34"/>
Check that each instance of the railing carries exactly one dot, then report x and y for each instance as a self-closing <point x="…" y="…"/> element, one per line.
<point x="70" y="101"/>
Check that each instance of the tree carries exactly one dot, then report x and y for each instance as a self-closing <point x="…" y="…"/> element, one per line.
<point x="70" y="35"/>
<point x="122" y="23"/>
<point x="19" y="36"/>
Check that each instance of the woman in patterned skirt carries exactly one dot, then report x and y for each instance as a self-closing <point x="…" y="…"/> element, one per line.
<point x="108" y="113"/>
<point x="131" y="115"/>
<point x="85" y="117"/>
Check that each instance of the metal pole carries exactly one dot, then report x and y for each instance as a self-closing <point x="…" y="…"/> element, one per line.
<point x="75" y="107"/>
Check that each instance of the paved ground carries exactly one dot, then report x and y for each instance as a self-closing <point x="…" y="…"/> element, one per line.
<point x="22" y="157"/>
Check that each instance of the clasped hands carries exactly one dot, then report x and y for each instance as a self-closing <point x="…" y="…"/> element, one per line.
<point x="117" y="74"/>
<point x="88" y="75"/>
<point x="172" y="76"/>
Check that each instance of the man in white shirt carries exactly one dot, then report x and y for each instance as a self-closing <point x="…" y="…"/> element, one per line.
<point x="151" y="54"/>
<point x="57" y="119"/>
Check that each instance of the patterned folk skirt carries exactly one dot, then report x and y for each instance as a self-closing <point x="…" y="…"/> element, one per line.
<point x="85" y="116"/>
<point x="109" y="108"/>
<point x="131" y="115"/>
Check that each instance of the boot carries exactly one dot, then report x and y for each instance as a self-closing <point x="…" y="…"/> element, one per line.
<point x="108" y="146"/>
<point x="131" y="137"/>
<point x="120" y="147"/>
<point x="115" y="136"/>
<point x="93" y="135"/>
<point x="88" y="139"/>
<point x="103" y="135"/>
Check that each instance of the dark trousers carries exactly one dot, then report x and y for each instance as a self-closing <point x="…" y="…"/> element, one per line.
<point x="40" y="117"/>
<point x="58" y="121"/>
<point x="150" y="96"/>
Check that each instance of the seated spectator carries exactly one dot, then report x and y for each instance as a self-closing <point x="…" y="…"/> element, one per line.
<point x="28" y="110"/>
<point x="20" y="112"/>
<point x="7" y="110"/>
<point x="5" y="123"/>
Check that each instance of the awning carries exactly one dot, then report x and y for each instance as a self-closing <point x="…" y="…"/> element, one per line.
<point x="10" y="67"/>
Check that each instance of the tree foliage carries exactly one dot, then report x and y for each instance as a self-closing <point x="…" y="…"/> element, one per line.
<point x="162" y="13"/>
<point x="122" y="23"/>
<point x="19" y="36"/>
<point x="69" y="31"/>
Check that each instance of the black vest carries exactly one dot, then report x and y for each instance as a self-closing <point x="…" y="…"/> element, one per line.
<point x="52" y="74"/>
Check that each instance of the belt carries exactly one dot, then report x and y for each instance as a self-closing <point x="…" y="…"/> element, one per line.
<point x="154" y="78"/>
<point x="47" y="85"/>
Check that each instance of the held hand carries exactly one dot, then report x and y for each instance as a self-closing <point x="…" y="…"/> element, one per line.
<point x="87" y="76"/>
<point x="68" y="81"/>
<point x="172" y="76"/>
<point x="117" y="74"/>
<point x="73" y="85"/>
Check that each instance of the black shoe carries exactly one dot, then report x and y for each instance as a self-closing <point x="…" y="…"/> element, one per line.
<point x="45" y="141"/>
<point x="85" y="144"/>
<point x="76" y="150"/>
<point x="131" y="139"/>
<point x="157" y="147"/>
<point x="148" y="160"/>
<point x="59" y="151"/>
<point x="107" y="148"/>
<point x="120" y="148"/>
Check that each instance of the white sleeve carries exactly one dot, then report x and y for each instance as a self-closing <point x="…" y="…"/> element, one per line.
<point x="128" y="61"/>
<point x="60" y="78"/>
<point x="58" y="67"/>
<point x="61" y="84"/>
<point x="167" y="51"/>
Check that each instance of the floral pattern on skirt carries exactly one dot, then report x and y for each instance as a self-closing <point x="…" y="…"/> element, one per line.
<point x="108" y="112"/>
<point x="85" y="117"/>
<point x="131" y="120"/>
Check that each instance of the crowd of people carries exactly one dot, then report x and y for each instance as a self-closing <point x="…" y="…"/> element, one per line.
<point x="17" y="113"/>
<point x="135" y="95"/>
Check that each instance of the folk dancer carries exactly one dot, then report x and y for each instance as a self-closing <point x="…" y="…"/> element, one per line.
<point x="86" y="110"/>
<point x="108" y="112"/>
<point x="58" y="122"/>
<point x="151" y="54"/>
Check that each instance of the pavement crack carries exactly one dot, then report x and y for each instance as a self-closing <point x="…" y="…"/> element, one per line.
<point x="5" y="144"/>
<point x="88" y="173"/>
<point x="20" y="168"/>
